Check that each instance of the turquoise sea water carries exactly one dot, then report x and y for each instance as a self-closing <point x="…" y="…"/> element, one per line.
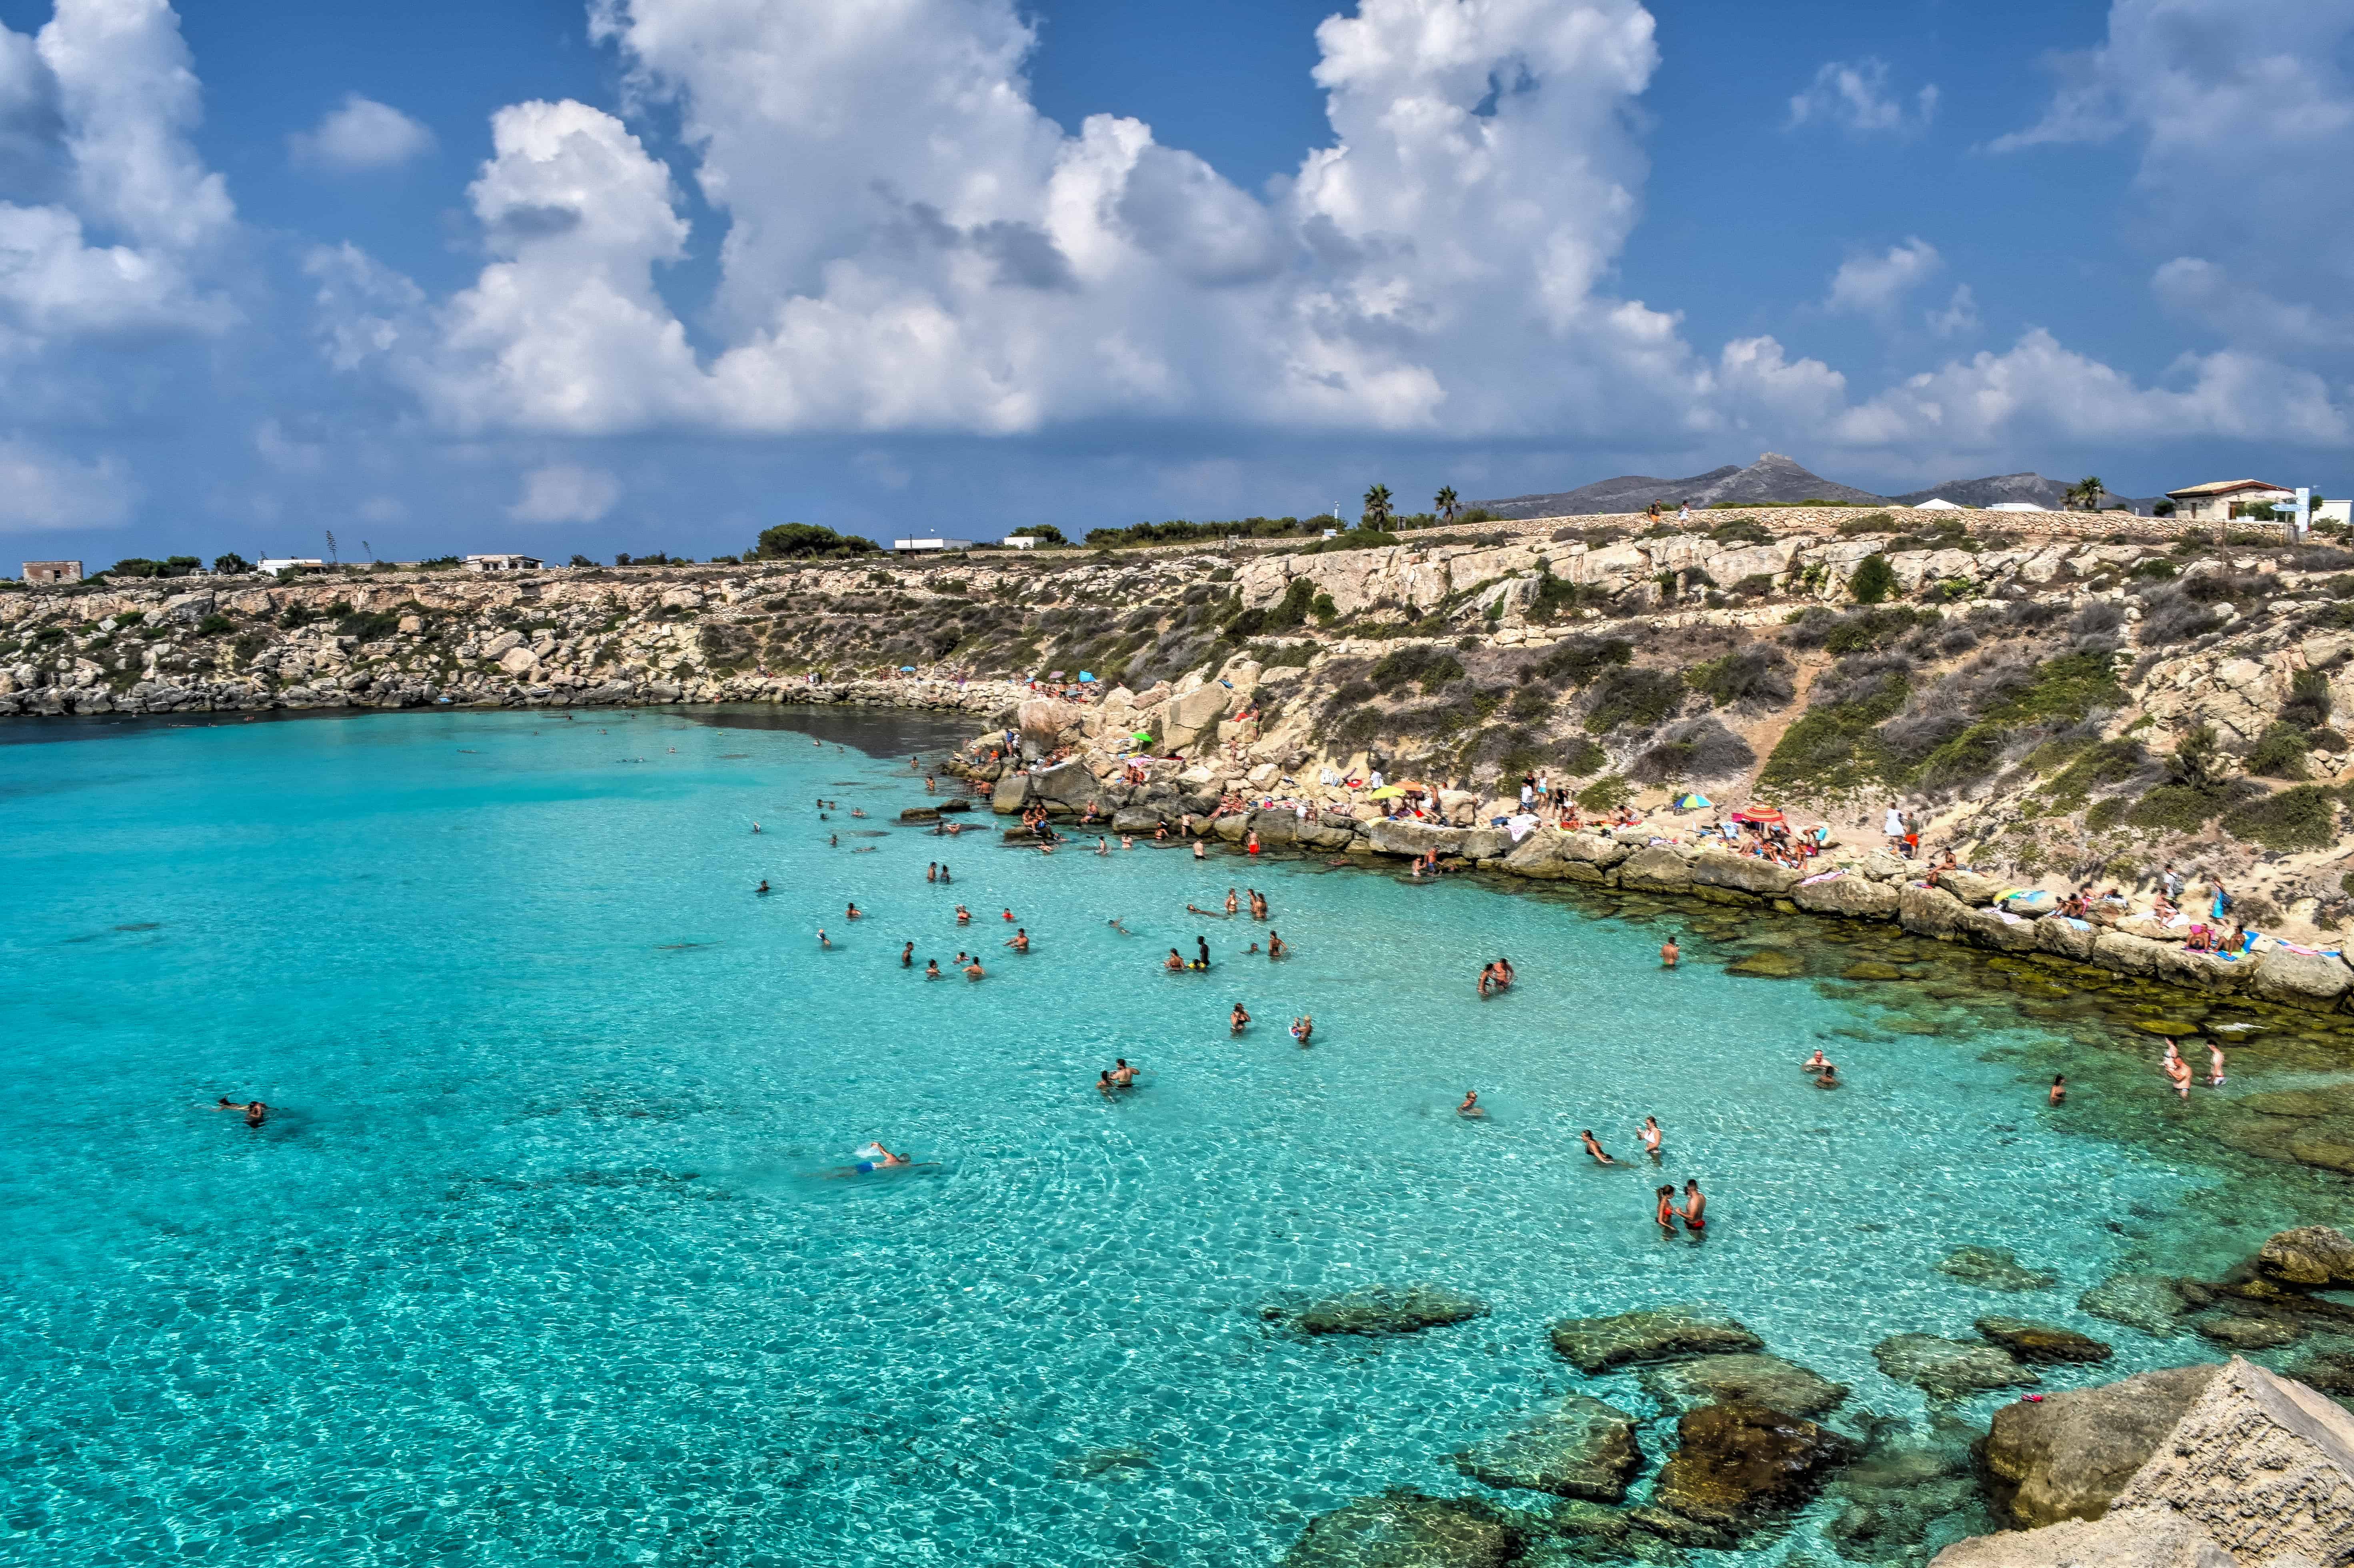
<point x="536" y="1262"/>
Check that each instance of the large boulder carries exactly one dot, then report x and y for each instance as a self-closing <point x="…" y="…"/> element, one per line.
<point x="1656" y="870"/>
<point x="1405" y="836"/>
<point x="1851" y="893"/>
<point x="1580" y="1448"/>
<point x="1949" y="1369"/>
<point x="1066" y="784"/>
<point x="1012" y="788"/>
<point x="1043" y="720"/>
<point x="2066" y="939"/>
<point x="2314" y="981"/>
<point x="1743" y="1380"/>
<point x="1408" y="1529"/>
<point x="1992" y="928"/>
<point x="1275" y="827"/>
<point x="1381" y="1310"/>
<point x="1722" y="868"/>
<point x="1655" y="1334"/>
<point x="2162" y="1540"/>
<point x="1190" y="716"/>
<point x="1550" y="855"/>
<point x="2310" y="1258"/>
<point x="2068" y="1455"/>
<point x="1929" y="911"/>
<point x="1735" y="1463"/>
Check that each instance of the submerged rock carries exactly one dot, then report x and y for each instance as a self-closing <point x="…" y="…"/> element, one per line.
<point x="2238" y="1329"/>
<point x="1657" y="1334"/>
<point x="2310" y="1258"/>
<point x="2042" y="1343"/>
<point x="1769" y="963"/>
<point x="1949" y="1369"/>
<point x="2067" y="1455"/>
<point x="2150" y="1302"/>
<point x="1382" y="1309"/>
<point x="1735" y="1463"/>
<point x="1762" y="1380"/>
<point x="1994" y="1268"/>
<point x="1901" y="1487"/>
<point x="1867" y="970"/>
<point x="1409" y="1529"/>
<point x="1580" y="1448"/>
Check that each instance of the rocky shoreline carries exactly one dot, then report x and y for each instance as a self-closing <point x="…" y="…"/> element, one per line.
<point x="2197" y="1465"/>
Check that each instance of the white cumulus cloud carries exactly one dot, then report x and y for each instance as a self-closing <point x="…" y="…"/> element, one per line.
<point x="1875" y="285"/>
<point x="40" y="489"/>
<point x="1855" y="97"/>
<point x="1958" y="317"/>
<point x="564" y="492"/>
<point x="359" y="137"/>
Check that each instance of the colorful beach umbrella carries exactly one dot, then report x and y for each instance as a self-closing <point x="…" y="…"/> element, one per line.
<point x="1085" y="675"/>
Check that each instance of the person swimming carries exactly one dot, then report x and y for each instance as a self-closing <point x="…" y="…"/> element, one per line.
<point x="1667" y="1212"/>
<point x="1176" y="960"/>
<point x="256" y="1112"/>
<point x="932" y="968"/>
<point x="1237" y="1021"/>
<point x="1695" y="1206"/>
<point x="1470" y="1105"/>
<point x="1595" y="1149"/>
<point x="881" y="1159"/>
<point x="1123" y="1074"/>
<point x="1303" y="1029"/>
<point x="1127" y="841"/>
<point x="1104" y="1083"/>
<point x="964" y="916"/>
<point x="763" y="888"/>
<point x="1008" y="916"/>
<point x="823" y="939"/>
<point x="1817" y="1063"/>
<point x="1019" y="942"/>
<point x="1115" y="925"/>
<point x="854" y="913"/>
<point x="1829" y="1078"/>
<point x="1651" y="1136"/>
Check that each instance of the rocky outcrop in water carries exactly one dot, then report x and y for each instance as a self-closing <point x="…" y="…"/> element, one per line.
<point x="1409" y="1529"/>
<point x="1949" y="1369"/>
<point x="1580" y="1448"/>
<point x="2250" y="1471"/>
<point x="1737" y="1464"/>
<point x="1381" y="1310"/>
<point x="2065" y="1456"/>
<point x="1766" y="1379"/>
<point x="1655" y="1334"/>
<point x="2041" y="1344"/>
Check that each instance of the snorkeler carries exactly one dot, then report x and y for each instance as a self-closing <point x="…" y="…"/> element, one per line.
<point x="1470" y="1105"/>
<point x="1594" y="1148"/>
<point x="1237" y="1021"/>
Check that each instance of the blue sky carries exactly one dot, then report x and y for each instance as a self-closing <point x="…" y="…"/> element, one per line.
<point x="654" y="274"/>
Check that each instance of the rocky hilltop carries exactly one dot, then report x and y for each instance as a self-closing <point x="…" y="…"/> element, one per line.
<point x="2085" y="702"/>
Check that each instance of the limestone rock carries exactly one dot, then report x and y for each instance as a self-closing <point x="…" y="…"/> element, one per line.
<point x="1768" y="963"/>
<point x="1655" y="870"/>
<point x="1949" y="1369"/>
<point x="1408" y="1529"/>
<point x="1656" y="1334"/>
<point x="1994" y="1268"/>
<point x="1580" y="1448"/>
<point x="1012" y="788"/>
<point x="1043" y="720"/>
<point x="932" y="814"/>
<point x="2150" y="1302"/>
<point x="1550" y="855"/>
<point x="501" y="643"/>
<point x="1137" y="820"/>
<point x="1736" y="1462"/>
<point x="1065" y="783"/>
<point x="2068" y="1456"/>
<point x="1722" y="868"/>
<point x="1383" y="1310"/>
<point x="1404" y="836"/>
<point x="1858" y="897"/>
<point x="2042" y="1343"/>
<point x="2314" y="980"/>
<point x="1196" y="711"/>
<point x="515" y="660"/>
<point x="1927" y="911"/>
<point x="1970" y="887"/>
<point x="2310" y="1258"/>
<point x="2161" y="1540"/>
<point x="2248" y="1331"/>
<point x="1744" y="1379"/>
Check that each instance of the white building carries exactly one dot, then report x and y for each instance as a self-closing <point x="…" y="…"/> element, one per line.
<point x="2221" y="499"/>
<point x="280" y="563"/>
<point x="503" y="563"/>
<point x="1020" y="541"/>
<point x="920" y="546"/>
<point x="2017" y="507"/>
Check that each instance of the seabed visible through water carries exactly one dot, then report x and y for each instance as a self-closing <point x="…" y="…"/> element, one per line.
<point x="541" y="1255"/>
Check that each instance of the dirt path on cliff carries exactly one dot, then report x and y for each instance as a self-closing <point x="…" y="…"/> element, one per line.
<point x="1769" y="731"/>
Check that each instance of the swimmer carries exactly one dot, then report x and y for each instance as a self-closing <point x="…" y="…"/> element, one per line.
<point x="964" y="916"/>
<point x="1008" y="916"/>
<point x="1275" y="948"/>
<point x="1594" y="1148"/>
<point x="885" y="1160"/>
<point x="1019" y="942"/>
<point x="1695" y="1206"/>
<point x="1487" y="979"/>
<point x="256" y="1113"/>
<point x="857" y="812"/>
<point x="907" y="957"/>
<point x="1668" y="953"/>
<point x="1115" y="925"/>
<point x="1303" y="1029"/>
<point x="1123" y="1075"/>
<point x="1239" y="1019"/>
<point x="1232" y="902"/>
<point x="973" y="969"/>
<point x="1251" y="950"/>
<point x="1200" y="855"/>
<point x="1829" y="1077"/>
<point x="945" y="877"/>
<point x="1470" y="1105"/>
<point x="2059" y="1095"/>
<point x="1651" y="1136"/>
<point x="1103" y="845"/>
<point x="756" y="826"/>
<point x="854" y="911"/>
<point x="1817" y="1063"/>
<point x="763" y="888"/>
<point x="1203" y="944"/>
<point x="931" y="870"/>
<point x="1175" y="961"/>
<point x="2214" y="1065"/>
<point x="823" y="939"/>
<point x="931" y="968"/>
<point x="1127" y="841"/>
<point x="833" y="841"/>
<point x="1104" y="1083"/>
<point x="1666" y="1211"/>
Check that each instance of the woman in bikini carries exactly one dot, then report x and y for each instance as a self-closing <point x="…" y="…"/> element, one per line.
<point x="1651" y="1136"/>
<point x="1594" y="1148"/>
<point x="1667" y="1210"/>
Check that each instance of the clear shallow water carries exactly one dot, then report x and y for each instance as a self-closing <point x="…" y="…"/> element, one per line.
<point x="534" y="1262"/>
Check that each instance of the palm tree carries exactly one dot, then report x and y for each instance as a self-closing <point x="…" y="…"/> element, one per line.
<point x="2085" y="493"/>
<point x="1444" y="504"/>
<point x="1378" y="510"/>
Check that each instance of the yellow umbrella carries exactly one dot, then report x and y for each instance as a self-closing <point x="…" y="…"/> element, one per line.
<point x="1386" y="792"/>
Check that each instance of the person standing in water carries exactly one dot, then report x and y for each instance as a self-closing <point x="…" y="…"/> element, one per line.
<point x="1587" y="1137"/>
<point x="1239" y="1019"/>
<point x="1202" y="943"/>
<point x="1668" y="1210"/>
<point x="2214" y="1065"/>
<point x="1303" y="1029"/>
<point x="907" y="957"/>
<point x="1199" y="853"/>
<point x="1232" y="902"/>
<point x="1695" y="1206"/>
<point x="1019" y="942"/>
<point x="1651" y="1136"/>
<point x="1470" y="1105"/>
<point x="2059" y="1088"/>
<point x="1275" y="948"/>
<point x="1668" y="953"/>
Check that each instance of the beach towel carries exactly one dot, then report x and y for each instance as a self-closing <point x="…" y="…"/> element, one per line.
<point x="1831" y="875"/>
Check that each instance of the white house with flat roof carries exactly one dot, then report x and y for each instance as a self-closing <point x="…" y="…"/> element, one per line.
<point x="503" y="563"/>
<point x="280" y="563"/>
<point x="2221" y="499"/>
<point x="920" y="546"/>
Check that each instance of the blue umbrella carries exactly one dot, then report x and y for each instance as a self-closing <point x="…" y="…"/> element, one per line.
<point x="906" y="669"/>
<point x="1085" y="676"/>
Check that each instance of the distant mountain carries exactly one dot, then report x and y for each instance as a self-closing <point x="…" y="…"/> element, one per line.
<point x="1772" y="479"/>
<point x="2049" y="494"/>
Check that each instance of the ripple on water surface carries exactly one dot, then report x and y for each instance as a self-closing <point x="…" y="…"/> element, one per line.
<point x="544" y="1254"/>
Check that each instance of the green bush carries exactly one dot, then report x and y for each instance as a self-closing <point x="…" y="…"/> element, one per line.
<point x="2181" y="807"/>
<point x="213" y="625"/>
<point x="2309" y="702"/>
<point x="2304" y="818"/>
<point x="1576" y="660"/>
<point x="1605" y="794"/>
<point x="2106" y="814"/>
<point x="1874" y="580"/>
<point x="1292" y="609"/>
<point x="1869" y="523"/>
<point x="1759" y="673"/>
<point x="2279" y="753"/>
<point x="1838" y="747"/>
<point x="1045" y="533"/>
<point x="1633" y="696"/>
<point x="796" y="541"/>
<point x="1741" y="531"/>
<point x="1968" y="758"/>
<point x="373" y="626"/>
<point x="1580" y="756"/>
<point x="231" y="565"/>
<point x="1429" y="668"/>
<point x="1327" y="612"/>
